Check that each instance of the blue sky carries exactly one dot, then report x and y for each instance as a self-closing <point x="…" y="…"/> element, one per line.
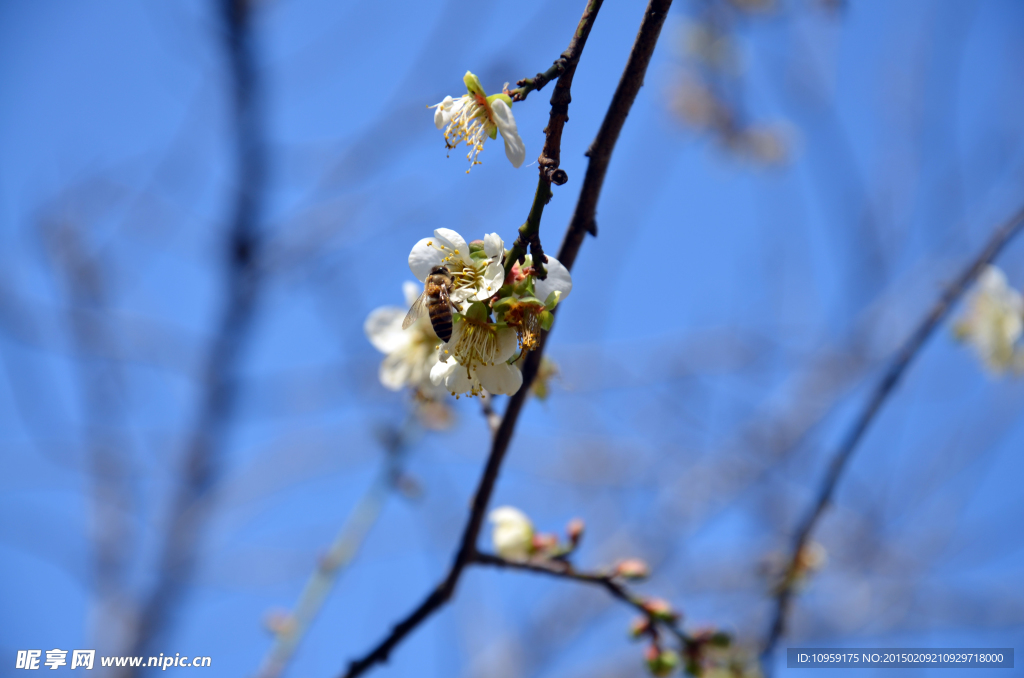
<point x="716" y="291"/>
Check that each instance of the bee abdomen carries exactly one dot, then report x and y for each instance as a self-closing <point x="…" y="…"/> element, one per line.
<point x="441" y="321"/>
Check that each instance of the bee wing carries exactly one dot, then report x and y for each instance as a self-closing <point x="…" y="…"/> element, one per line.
<point x="415" y="311"/>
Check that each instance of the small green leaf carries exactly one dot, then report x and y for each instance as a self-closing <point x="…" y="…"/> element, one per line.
<point x="477" y="312"/>
<point x="504" y="97"/>
<point x="503" y="305"/>
<point x="473" y="85"/>
<point x="552" y="300"/>
<point x="546" y="319"/>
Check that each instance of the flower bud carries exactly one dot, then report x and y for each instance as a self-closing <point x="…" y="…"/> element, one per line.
<point x="661" y="610"/>
<point x="544" y="542"/>
<point x="575" y="530"/>
<point x="513" y="533"/>
<point x="660" y="662"/>
<point x="632" y="569"/>
<point x="279" y="622"/>
<point x="640" y="627"/>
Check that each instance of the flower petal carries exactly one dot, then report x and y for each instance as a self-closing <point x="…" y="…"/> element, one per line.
<point x="457" y="380"/>
<point x="494" y="246"/>
<point x="507" y="345"/>
<point x="456" y="243"/>
<point x="395" y="371"/>
<point x="423" y="258"/>
<point x="494" y="276"/>
<point x="383" y="328"/>
<point x="411" y="291"/>
<point x="440" y="371"/>
<point x="442" y="113"/>
<point x="558" y="280"/>
<point x="501" y="378"/>
<point x="515" y="149"/>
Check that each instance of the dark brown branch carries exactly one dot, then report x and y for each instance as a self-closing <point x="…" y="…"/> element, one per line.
<point x="885" y="387"/>
<point x="550" y="155"/>
<point x="563" y="570"/>
<point x="604" y="144"/>
<point x="205" y="450"/>
<point x="600" y="152"/>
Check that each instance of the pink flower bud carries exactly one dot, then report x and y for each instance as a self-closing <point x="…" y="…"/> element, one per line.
<point x="632" y="569"/>
<point x="660" y="609"/>
<point x="575" y="530"/>
<point x="544" y="542"/>
<point x="640" y="627"/>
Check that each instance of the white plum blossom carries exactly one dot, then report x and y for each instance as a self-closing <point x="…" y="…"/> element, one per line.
<point x="994" y="322"/>
<point x="475" y="359"/>
<point x="476" y="275"/>
<point x="410" y="354"/>
<point x="513" y="533"/>
<point x="474" y="117"/>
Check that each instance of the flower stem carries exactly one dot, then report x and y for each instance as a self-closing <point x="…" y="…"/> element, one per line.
<point x="529" y="232"/>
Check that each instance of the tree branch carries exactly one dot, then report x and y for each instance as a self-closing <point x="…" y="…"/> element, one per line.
<point x="604" y="144"/>
<point x="550" y="155"/>
<point x="563" y="570"/>
<point x="885" y="387"/>
<point x="206" y="445"/>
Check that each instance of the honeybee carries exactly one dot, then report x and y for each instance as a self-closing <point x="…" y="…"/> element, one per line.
<point x="435" y="298"/>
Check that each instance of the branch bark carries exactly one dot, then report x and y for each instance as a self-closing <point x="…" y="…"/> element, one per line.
<point x="600" y="154"/>
<point x="885" y="387"/>
<point x="550" y="155"/>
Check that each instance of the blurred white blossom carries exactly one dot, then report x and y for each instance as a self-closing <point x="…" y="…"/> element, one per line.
<point x="513" y="533"/>
<point x="410" y="354"/>
<point x="994" y="322"/>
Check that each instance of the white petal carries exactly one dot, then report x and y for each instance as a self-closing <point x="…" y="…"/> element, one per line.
<point x="494" y="246"/>
<point x="442" y="113"/>
<point x="513" y="533"/>
<point x="992" y="280"/>
<point x="501" y="378"/>
<point x="515" y="149"/>
<point x="455" y="242"/>
<point x="423" y="258"/>
<point x="558" y="280"/>
<point x="458" y="381"/>
<point x="383" y="328"/>
<point x="444" y="351"/>
<point x="440" y="371"/>
<point x="507" y="345"/>
<point x="462" y="294"/>
<point x="494" y="276"/>
<point x="395" y="371"/>
<point x="411" y="291"/>
<point x="508" y="515"/>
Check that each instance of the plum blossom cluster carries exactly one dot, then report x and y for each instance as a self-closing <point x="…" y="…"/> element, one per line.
<point x="993" y="323"/>
<point x="475" y="117"/>
<point x="495" y="317"/>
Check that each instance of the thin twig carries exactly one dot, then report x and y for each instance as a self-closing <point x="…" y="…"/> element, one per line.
<point x="625" y="94"/>
<point x="550" y="155"/>
<point x="563" y="570"/>
<point x="343" y="549"/>
<point x="885" y="387"/>
<point x="205" y="451"/>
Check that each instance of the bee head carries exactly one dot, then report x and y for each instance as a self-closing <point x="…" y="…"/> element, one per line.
<point x="440" y="270"/>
